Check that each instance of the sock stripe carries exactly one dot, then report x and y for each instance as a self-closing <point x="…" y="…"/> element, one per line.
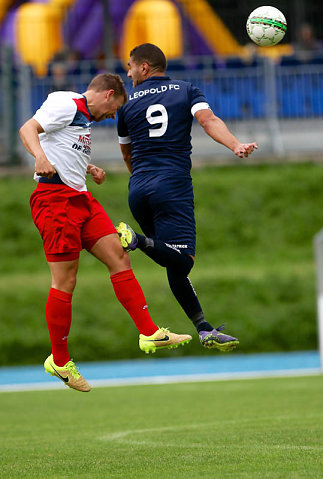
<point x="60" y="295"/>
<point x="122" y="276"/>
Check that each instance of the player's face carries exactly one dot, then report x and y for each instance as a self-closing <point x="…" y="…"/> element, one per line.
<point x="113" y="105"/>
<point x="135" y="72"/>
<point x="109" y="106"/>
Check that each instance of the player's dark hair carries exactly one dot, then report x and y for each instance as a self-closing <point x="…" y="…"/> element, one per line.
<point x="109" y="81"/>
<point x="151" y="54"/>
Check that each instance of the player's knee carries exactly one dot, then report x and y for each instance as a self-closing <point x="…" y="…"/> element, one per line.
<point x="70" y="283"/>
<point x="119" y="259"/>
<point x="66" y="282"/>
<point x="184" y="266"/>
<point x="119" y="264"/>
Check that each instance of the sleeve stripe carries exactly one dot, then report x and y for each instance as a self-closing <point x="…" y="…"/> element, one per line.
<point x="200" y="106"/>
<point x="124" y="140"/>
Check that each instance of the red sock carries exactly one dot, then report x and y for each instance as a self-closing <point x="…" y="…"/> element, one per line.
<point x="130" y="295"/>
<point x="59" y="317"/>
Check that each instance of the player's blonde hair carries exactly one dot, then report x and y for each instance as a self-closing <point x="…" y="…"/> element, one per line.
<point x="109" y="81"/>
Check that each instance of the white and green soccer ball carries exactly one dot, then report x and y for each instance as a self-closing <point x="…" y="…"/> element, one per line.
<point x="266" y="26"/>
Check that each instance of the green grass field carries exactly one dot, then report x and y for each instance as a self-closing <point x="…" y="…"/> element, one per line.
<point x="254" y="267"/>
<point x="248" y="429"/>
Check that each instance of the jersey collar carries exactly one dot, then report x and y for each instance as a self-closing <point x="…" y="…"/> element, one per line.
<point x="156" y="78"/>
<point x="91" y="117"/>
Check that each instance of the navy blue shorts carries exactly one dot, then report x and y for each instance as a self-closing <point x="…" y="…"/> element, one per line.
<point x="164" y="208"/>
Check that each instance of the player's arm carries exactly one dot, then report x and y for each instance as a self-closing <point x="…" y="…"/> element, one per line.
<point x="97" y="173"/>
<point x="29" y="134"/>
<point x="218" y="130"/>
<point x="126" y="153"/>
<point x="124" y="139"/>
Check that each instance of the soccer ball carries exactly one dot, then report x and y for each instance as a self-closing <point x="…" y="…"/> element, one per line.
<point x="266" y="26"/>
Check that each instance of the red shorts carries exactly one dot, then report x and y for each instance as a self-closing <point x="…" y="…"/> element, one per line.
<point x="68" y="220"/>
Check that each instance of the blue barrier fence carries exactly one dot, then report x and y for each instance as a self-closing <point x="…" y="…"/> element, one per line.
<point x="234" y="94"/>
<point x="236" y="91"/>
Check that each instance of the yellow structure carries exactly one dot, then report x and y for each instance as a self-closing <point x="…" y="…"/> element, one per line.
<point x="4" y="7"/>
<point x="152" y="21"/>
<point x="211" y="27"/>
<point x="39" y="34"/>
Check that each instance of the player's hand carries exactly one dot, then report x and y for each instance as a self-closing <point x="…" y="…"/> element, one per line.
<point x="97" y="173"/>
<point x="43" y="167"/>
<point x="245" y="149"/>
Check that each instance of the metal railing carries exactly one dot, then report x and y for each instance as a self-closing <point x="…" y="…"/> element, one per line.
<point x="264" y="91"/>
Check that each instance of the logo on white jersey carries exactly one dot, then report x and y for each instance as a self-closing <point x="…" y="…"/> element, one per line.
<point x="83" y="144"/>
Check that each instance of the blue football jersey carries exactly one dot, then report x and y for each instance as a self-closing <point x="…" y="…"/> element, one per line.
<point x="157" y="121"/>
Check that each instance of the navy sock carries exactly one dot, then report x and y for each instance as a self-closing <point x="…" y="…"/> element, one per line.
<point x="185" y="294"/>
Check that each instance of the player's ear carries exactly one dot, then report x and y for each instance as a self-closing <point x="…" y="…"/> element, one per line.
<point x="109" y="94"/>
<point x="144" y="67"/>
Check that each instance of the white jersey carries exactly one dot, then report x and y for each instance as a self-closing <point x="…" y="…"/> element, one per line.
<point x="66" y="121"/>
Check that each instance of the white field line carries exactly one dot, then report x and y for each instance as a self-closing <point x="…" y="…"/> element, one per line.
<point x="152" y="380"/>
<point x="144" y="436"/>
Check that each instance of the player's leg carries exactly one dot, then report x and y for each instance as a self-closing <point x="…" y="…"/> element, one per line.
<point x="59" y="222"/>
<point x="163" y="213"/>
<point x="161" y="252"/>
<point x="63" y="270"/>
<point x="59" y="303"/>
<point x="170" y="209"/>
<point x="184" y="292"/>
<point x="129" y="293"/>
<point x="127" y="289"/>
<point x="174" y="218"/>
<point x="178" y="265"/>
<point x="109" y="251"/>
